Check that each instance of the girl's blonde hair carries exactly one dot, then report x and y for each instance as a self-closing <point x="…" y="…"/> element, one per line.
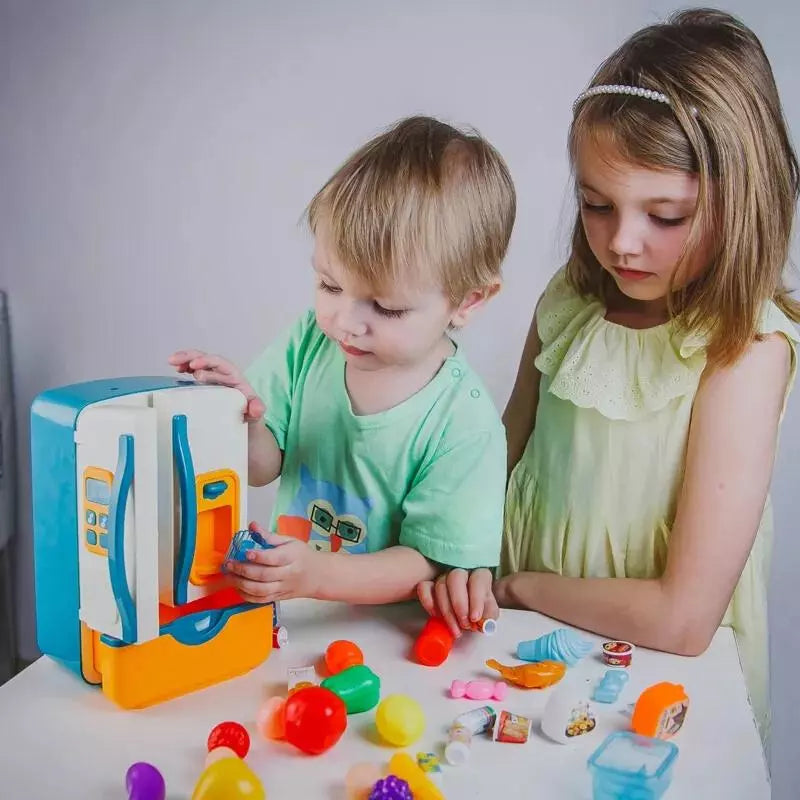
<point x="423" y="204"/>
<point x="724" y="123"/>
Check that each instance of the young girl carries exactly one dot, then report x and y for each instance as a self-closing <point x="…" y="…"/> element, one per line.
<point x="643" y="422"/>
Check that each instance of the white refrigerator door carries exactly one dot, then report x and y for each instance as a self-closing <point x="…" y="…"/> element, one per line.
<point x="118" y="519"/>
<point x="202" y="441"/>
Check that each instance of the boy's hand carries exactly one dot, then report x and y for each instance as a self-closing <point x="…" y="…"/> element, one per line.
<point x="459" y="598"/>
<point x="206" y="368"/>
<point x="289" y="569"/>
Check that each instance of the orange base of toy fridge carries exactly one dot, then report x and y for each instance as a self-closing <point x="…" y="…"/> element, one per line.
<point x="136" y="676"/>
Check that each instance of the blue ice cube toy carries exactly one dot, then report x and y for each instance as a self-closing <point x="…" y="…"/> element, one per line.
<point x="628" y="766"/>
<point x="243" y="541"/>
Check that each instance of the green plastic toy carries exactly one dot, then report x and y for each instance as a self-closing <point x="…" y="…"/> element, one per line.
<point x="358" y="686"/>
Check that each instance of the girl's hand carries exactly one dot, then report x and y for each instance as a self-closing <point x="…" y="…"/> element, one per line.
<point x="460" y="598"/>
<point x="206" y="368"/>
<point x="289" y="569"/>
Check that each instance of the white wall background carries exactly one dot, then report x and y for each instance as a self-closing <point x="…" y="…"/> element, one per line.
<point x="155" y="158"/>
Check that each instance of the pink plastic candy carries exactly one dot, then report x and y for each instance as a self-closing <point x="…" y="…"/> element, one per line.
<point x="479" y="690"/>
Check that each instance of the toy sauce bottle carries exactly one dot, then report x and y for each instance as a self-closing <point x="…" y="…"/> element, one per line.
<point x="434" y="643"/>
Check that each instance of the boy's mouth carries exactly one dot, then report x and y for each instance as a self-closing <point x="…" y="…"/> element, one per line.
<point x="353" y="351"/>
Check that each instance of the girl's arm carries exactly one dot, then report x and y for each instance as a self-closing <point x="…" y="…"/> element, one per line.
<point x="519" y="416"/>
<point x="729" y="461"/>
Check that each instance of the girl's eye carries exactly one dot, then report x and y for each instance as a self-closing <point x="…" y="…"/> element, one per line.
<point x="392" y="313"/>
<point x="668" y="222"/>
<point x="326" y="287"/>
<point x="595" y="209"/>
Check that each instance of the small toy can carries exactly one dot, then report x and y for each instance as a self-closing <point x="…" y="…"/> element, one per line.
<point x="512" y="728"/>
<point x="618" y="654"/>
<point x="301" y="678"/>
<point x="280" y="637"/>
<point x="459" y="740"/>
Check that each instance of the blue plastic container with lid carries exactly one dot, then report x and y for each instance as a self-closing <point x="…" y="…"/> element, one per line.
<point x="628" y="766"/>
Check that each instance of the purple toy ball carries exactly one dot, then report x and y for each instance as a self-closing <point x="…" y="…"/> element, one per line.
<point x="144" y="782"/>
<point x="391" y="788"/>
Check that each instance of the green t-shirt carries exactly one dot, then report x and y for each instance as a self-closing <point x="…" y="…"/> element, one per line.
<point x="428" y="473"/>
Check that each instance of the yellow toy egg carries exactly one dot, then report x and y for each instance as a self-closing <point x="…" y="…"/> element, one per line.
<point x="228" y="779"/>
<point x="399" y="720"/>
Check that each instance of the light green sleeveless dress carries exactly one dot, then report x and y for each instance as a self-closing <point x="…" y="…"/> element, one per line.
<point x="596" y="489"/>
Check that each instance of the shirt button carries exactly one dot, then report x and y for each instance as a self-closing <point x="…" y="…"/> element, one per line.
<point x="475" y="393"/>
<point x="456" y="372"/>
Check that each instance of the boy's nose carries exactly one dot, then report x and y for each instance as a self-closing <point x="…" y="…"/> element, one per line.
<point x="350" y="319"/>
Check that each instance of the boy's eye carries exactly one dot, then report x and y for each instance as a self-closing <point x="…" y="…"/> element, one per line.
<point x="388" y="312"/>
<point x="668" y="222"/>
<point x="326" y="287"/>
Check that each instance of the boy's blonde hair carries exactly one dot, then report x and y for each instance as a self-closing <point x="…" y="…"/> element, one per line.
<point x="724" y="123"/>
<point x="421" y="204"/>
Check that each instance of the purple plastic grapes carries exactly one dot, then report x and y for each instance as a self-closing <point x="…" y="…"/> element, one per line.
<point x="391" y="788"/>
<point x="144" y="782"/>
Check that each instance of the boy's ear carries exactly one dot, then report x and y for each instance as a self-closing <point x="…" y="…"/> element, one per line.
<point x="472" y="302"/>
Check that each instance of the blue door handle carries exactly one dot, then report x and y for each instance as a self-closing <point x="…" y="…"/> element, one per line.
<point x="120" y="492"/>
<point x="188" y="507"/>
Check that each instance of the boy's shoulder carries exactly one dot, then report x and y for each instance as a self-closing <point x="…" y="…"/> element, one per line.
<point x="464" y="406"/>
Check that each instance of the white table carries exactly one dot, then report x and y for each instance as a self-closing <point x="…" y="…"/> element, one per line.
<point x="60" y="738"/>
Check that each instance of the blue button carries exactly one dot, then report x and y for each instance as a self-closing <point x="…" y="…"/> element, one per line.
<point x="91" y="538"/>
<point x="211" y="491"/>
<point x="104" y="521"/>
<point x="91" y="517"/>
<point x="103" y="541"/>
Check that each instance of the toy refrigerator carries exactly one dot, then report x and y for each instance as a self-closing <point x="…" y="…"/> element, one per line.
<point x="138" y="485"/>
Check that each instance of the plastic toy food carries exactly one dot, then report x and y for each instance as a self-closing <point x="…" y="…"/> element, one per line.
<point x="512" y="728"/>
<point x="479" y="690"/>
<point x="618" y="654"/>
<point x="399" y="720"/>
<point x="487" y="626"/>
<point x="342" y="654"/>
<point x="217" y="753"/>
<point x="228" y="779"/>
<point x="144" y="782"/>
<point x="459" y="741"/>
<point x="612" y="683"/>
<point x="229" y="734"/>
<point x="244" y="541"/>
<point x="360" y="779"/>
<point x="567" y="716"/>
<point x="627" y="765"/>
<point x="391" y="788"/>
<point x="429" y="764"/>
<point x="660" y="711"/>
<point x="358" y="686"/>
<point x="477" y="720"/>
<point x="300" y="677"/>
<point x="315" y="719"/>
<point x="422" y="787"/>
<point x="561" y="645"/>
<point x="271" y="718"/>
<point x="434" y="643"/>
<point x="531" y="676"/>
